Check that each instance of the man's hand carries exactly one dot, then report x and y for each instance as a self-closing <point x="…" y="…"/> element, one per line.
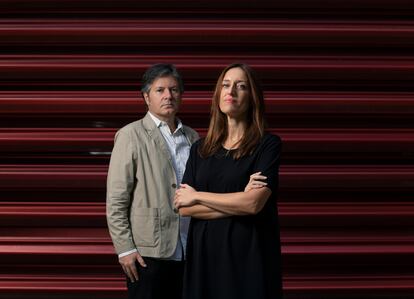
<point x="255" y="182"/>
<point x="128" y="265"/>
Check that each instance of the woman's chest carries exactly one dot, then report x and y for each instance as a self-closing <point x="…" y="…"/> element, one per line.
<point x="224" y="174"/>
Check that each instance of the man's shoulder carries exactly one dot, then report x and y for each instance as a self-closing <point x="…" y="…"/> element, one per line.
<point x="191" y="132"/>
<point x="189" y="129"/>
<point x="133" y="126"/>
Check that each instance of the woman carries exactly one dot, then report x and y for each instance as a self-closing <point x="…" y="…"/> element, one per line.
<point x="233" y="243"/>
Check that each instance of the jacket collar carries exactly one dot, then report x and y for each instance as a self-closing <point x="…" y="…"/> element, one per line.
<point x="149" y="124"/>
<point x="159" y="123"/>
<point x="151" y="127"/>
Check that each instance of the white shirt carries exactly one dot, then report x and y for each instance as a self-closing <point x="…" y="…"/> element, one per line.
<point x="179" y="148"/>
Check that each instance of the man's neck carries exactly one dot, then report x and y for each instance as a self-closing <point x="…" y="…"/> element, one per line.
<point x="171" y="121"/>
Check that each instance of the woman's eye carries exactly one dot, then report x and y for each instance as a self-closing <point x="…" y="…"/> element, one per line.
<point x="241" y="86"/>
<point x="225" y="85"/>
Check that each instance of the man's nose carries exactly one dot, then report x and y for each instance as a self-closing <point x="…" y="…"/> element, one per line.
<point x="167" y="93"/>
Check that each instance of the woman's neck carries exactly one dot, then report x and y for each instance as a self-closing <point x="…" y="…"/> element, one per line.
<point x="235" y="132"/>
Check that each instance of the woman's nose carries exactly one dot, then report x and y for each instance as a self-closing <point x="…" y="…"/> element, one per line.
<point x="233" y="89"/>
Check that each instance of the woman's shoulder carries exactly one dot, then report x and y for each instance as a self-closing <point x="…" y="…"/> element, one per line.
<point x="269" y="143"/>
<point x="196" y="145"/>
<point x="269" y="138"/>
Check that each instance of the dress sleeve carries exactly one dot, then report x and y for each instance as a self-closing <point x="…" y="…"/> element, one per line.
<point x="189" y="174"/>
<point x="269" y="160"/>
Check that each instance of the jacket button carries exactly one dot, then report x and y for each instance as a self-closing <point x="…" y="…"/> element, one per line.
<point x="174" y="185"/>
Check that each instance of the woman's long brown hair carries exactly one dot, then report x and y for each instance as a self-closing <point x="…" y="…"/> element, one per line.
<point x="255" y="124"/>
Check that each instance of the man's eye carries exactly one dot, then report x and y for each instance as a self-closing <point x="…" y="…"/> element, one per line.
<point x="174" y="90"/>
<point x="159" y="90"/>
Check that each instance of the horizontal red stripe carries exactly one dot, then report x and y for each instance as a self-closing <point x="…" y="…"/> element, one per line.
<point x="312" y="177"/>
<point x="90" y="104"/>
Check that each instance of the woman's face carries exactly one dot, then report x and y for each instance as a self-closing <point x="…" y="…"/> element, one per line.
<point x="235" y="94"/>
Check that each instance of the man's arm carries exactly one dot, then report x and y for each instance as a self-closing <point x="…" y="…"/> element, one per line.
<point x="120" y="183"/>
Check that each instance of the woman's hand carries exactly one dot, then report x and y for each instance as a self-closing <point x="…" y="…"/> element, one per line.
<point x="255" y="182"/>
<point x="185" y="196"/>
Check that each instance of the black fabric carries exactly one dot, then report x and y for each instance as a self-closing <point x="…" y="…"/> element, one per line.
<point x="238" y="256"/>
<point x="159" y="280"/>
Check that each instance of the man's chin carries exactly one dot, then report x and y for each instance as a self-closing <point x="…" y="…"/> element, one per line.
<point x="169" y="112"/>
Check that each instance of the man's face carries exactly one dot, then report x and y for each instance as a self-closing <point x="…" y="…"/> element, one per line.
<point x="163" y="98"/>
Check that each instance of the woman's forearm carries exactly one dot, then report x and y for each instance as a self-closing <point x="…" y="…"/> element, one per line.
<point x="202" y="212"/>
<point x="237" y="203"/>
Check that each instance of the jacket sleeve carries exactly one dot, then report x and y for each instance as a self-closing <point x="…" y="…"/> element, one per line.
<point x="120" y="184"/>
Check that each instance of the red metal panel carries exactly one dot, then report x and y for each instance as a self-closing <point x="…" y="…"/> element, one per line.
<point x="79" y="35"/>
<point x="338" y="78"/>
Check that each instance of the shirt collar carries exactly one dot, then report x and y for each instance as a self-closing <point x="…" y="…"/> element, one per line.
<point x="159" y="123"/>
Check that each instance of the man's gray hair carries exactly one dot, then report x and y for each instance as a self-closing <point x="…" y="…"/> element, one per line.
<point x="160" y="70"/>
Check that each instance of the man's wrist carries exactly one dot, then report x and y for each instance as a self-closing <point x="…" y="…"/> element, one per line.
<point x="127" y="252"/>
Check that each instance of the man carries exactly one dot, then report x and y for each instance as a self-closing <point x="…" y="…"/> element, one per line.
<point x="147" y="164"/>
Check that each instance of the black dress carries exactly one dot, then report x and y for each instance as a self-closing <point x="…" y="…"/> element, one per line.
<point x="239" y="256"/>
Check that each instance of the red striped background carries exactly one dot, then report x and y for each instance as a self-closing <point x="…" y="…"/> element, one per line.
<point x="339" y="83"/>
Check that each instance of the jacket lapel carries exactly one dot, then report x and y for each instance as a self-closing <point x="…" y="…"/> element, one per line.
<point x="156" y="135"/>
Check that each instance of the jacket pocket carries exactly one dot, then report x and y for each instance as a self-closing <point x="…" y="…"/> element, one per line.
<point x="145" y="224"/>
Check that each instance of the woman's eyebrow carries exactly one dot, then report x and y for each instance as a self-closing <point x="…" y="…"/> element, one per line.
<point x="237" y="81"/>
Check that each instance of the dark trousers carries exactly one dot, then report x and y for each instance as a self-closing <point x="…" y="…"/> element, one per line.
<point x="159" y="280"/>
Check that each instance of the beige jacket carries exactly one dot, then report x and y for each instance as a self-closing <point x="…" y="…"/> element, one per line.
<point x="140" y="190"/>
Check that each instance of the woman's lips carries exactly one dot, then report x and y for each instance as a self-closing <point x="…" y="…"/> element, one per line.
<point x="229" y="99"/>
